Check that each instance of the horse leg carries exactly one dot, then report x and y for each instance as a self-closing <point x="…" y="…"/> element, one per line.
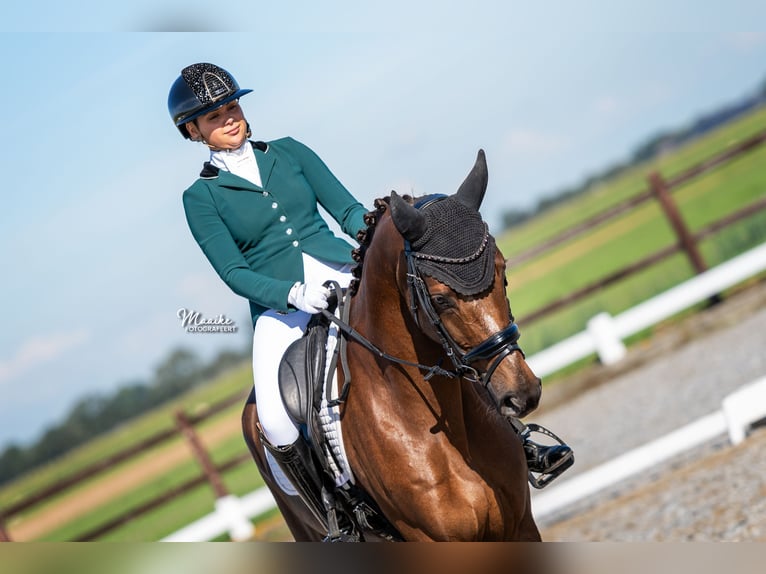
<point x="298" y="518"/>
<point x="528" y="530"/>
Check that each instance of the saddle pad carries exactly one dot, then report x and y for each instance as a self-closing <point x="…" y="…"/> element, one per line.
<point x="329" y="418"/>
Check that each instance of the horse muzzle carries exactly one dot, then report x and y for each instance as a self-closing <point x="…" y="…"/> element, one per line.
<point x="515" y="404"/>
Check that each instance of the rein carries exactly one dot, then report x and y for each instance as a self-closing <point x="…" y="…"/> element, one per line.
<point x="349" y="331"/>
<point x="497" y="346"/>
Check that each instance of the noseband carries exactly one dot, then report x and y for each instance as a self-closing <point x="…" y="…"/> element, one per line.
<point x="497" y="346"/>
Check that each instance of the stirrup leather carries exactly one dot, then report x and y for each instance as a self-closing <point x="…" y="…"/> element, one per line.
<point x="543" y="479"/>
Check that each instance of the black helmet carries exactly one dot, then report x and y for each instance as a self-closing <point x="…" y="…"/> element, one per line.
<point x="199" y="89"/>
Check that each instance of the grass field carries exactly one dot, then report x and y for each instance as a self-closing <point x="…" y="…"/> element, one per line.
<point x="97" y="500"/>
<point x="634" y="235"/>
<point x="605" y="248"/>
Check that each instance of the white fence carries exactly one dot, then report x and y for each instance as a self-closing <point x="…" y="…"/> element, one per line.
<point x="604" y="335"/>
<point x="232" y="515"/>
<point x="739" y="411"/>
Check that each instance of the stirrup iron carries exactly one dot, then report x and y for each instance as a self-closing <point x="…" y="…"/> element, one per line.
<point x="541" y="480"/>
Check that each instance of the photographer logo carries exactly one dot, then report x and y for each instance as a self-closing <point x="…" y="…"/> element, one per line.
<point x="194" y="322"/>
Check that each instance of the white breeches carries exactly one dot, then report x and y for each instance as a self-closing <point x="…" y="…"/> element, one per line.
<point x="272" y="335"/>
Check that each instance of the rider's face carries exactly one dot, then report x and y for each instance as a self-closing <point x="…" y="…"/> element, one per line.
<point x="223" y="128"/>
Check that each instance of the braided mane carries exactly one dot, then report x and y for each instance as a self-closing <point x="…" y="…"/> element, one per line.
<point x="364" y="237"/>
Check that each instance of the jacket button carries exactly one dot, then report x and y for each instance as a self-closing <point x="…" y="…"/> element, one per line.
<point x="282" y="218"/>
<point x="289" y="231"/>
<point x="274" y="205"/>
<point x="295" y="244"/>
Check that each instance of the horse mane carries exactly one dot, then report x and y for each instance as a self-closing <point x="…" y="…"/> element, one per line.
<point x="364" y="237"/>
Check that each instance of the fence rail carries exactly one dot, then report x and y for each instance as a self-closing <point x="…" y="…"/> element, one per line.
<point x="658" y="188"/>
<point x="184" y="427"/>
<point x="739" y="412"/>
<point x="604" y="334"/>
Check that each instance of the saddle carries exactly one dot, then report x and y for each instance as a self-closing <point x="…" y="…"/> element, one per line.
<point x="303" y="386"/>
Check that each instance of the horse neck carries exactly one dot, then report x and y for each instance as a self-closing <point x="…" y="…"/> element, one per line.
<point x="380" y="313"/>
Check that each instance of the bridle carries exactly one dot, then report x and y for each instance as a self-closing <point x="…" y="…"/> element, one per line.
<point x="497" y="346"/>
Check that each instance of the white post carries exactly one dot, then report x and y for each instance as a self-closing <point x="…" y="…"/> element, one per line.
<point x="609" y="346"/>
<point x="231" y="511"/>
<point x="744" y="407"/>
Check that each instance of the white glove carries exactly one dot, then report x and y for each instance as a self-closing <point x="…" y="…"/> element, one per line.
<point x="309" y="298"/>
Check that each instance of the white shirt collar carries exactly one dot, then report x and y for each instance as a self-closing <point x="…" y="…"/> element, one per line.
<point x="240" y="161"/>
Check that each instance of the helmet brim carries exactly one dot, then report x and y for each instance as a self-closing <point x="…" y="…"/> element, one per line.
<point x="210" y="107"/>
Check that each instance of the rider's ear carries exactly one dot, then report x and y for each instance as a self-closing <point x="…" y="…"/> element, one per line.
<point x="472" y="190"/>
<point x="193" y="130"/>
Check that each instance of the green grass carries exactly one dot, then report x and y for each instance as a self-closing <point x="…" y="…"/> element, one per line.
<point x="128" y="434"/>
<point x="634" y="235"/>
<point x="628" y="184"/>
<point x="240" y="480"/>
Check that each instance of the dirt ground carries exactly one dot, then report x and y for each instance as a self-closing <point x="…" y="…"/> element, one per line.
<point x="720" y="497"/>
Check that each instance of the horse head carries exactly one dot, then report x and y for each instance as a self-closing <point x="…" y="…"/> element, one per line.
<point x="455" y="285"/>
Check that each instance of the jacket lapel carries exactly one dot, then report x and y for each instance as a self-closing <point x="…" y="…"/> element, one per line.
<point x="265" y="162"/>
<point x="265" y="159"/>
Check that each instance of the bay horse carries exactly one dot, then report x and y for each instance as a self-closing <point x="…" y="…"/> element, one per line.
<point x="435" y="452"/>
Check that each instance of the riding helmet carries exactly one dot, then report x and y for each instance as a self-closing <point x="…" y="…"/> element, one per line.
<point x="200" y="89"/>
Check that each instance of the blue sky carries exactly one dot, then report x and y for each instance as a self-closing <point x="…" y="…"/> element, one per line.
<point x="94" y="247"/>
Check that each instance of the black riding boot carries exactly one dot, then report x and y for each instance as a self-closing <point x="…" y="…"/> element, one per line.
<point x="296" y="462"/>
<point x="545" y="462"/>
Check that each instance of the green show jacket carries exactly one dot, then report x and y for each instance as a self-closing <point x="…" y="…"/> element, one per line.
<point x="254" y="236"/>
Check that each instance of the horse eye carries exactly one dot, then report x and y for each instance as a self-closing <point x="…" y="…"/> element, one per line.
<point x="440" y="301"/>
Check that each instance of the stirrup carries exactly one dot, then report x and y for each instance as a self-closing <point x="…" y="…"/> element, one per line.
<point x="542" y="480"/>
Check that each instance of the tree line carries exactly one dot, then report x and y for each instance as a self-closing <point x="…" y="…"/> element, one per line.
<point x="95" y="414"/>
<point x="651" y="148"/>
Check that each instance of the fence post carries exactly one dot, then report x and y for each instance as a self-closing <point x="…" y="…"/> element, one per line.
<point x="228" y="506"/>
<point x="609" y="346"/>
<point x="4" y="536"/>
<point x="208" y="468"/>
<point x="659" y="188"/>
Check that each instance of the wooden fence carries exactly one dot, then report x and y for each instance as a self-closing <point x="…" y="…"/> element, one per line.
<point x="185" y="427"/>
<point x="659" y="189"/>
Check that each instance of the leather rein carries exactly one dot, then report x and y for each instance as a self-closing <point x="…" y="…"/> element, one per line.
<point x="497" y="346"/>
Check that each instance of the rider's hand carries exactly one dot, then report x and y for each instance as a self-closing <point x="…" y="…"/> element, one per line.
<point x="309" y="298"/>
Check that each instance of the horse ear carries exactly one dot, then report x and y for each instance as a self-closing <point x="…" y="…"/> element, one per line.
<point x="410" y="222"/>
<point x="471" y="191"/>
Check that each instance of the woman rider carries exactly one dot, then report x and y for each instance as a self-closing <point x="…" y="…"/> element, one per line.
<point x="253" y="211"/>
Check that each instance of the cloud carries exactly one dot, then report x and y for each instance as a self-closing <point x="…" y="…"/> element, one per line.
<point x="747" y="41"/>
<point x="40" y="349"/>
<point x="533" y="142"/>
<point x="606" y="105"/>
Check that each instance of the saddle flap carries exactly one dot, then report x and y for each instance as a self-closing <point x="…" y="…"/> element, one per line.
<point x="301" y="373"/>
